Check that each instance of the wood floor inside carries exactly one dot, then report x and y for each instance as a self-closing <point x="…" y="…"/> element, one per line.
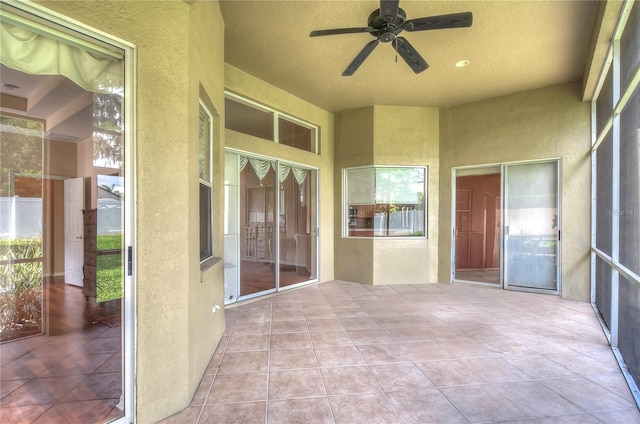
<point x="72" y="373"/>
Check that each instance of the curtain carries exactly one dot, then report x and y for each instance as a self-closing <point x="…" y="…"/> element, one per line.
<point x="300" y="174"/>
<point x="283" y="172"/>
<point x="261" y="167"/>
<point x="33" y="53"/>
<point x="243" y="162"/>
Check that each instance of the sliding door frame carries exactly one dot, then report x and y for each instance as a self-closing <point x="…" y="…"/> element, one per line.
<point x="59" y="22"/>
<point x="503" y="165"/>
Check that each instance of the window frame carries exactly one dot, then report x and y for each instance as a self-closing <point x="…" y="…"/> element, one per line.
<point x="207" y="185"/>
<point x="347" y="206"/>
<point x="277" y="115"/>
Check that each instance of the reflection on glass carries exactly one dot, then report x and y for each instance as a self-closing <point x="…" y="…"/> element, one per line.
<point x="109" y="276"/>
<point x="257" y="209"/>
<point x="386" y="202"/>
<point x="21" y="217"/>
<point x="297" y="225"/>
<point x="531" y="220"/>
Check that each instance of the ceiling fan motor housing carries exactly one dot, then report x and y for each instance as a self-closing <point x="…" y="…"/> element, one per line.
<point x="386" y="31"/>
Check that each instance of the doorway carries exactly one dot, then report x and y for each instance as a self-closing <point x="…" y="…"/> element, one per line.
<point x="63" y="322"/>
<point x="270" y="226"/>
<point x="506" y="226"/>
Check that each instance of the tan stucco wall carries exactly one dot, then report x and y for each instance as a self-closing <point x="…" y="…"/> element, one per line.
<point x="255" y="89"/>
<point x="179" y="45"/>
<point x="354" y="147"/>
<point x="546" y="123"/>
<point x="388" y="135"/>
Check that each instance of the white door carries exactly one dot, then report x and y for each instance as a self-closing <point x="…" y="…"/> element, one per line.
<point x="73" y="230"/>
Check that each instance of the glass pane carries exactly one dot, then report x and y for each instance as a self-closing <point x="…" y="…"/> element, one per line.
<point x="399" y="209"/>
<point x="477" y="232"/>
<point x="297" y="226"/>
<point x="603" y="290"/>
<point x="295" y="135"/>
<point x="629" y="326"/>
<point x="248" y="119"/>
<point x="604" y="103"/>
<point x="257" y="210"/>
<point x="21" y="227"/>
<point x="531" y="218"/>
<point x="630" y="45"/>
<point x="604" y="181"/>
<point x="110" y="244"/>
<point x="204" y="143"/>
<point x="231" y="228"/>
<point x="205" y="222"/>
<point x="629" y="188"/>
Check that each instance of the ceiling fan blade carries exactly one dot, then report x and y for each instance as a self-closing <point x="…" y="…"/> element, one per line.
<point x="340" y="31"/>
<point x="409" y="54"/>
<point x="454" y="20"/>
<point x="388" y="10"/>
<point x="353" y="66"/>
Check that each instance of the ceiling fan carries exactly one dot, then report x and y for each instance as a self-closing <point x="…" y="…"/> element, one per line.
<point x="390" y="20"/>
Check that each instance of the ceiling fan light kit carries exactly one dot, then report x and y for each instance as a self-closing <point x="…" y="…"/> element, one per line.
<point x="386" y="23"/>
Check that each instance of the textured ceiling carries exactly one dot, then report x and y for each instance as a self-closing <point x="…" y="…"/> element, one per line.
<point x="512" y="46"/>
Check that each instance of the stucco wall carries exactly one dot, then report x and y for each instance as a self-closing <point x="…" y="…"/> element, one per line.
<point x="545" y="123"/>
<point x="354" y="147"/>
<point x="388" y="135"/>
<point x="255" y="89"/>
<point x="179" y="46"/>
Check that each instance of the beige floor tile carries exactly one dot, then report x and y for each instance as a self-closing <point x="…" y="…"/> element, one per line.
<point x="291" y="384"/>
<point x="540" y="367"/>
<point x="289" y="326"/>
<point x="481" y="403"/>
<point x="303" y="411"/>
<point x="586" y="394"/>
<point x="233" y="413"/>
<point x="338" y="356"/>
<point x="449" y="373"/>
<point x="424" y="406"/>
<point x="349" y="380"/>
<point x="547" y="402"/>
<point x="330" y="338"/>
<point x="328" y="324"/>
<point x="369" y="336"/>
<point x="291" y="341"/>
<point x="250" y="361"/>
<point x="495" y="370"/>
<point x="626" y="415"/>
<point x="242" y="342"/>
<point x="362" y="409"/>
<point x="405" y="376"/>
<point x="243" y="387"/>
<point x="292" y="358"/>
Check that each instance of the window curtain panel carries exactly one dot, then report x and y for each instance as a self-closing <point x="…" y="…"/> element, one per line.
<point x="283" y="172"/>
<point x="300" y="174"/>
<point x="37" y="54"/>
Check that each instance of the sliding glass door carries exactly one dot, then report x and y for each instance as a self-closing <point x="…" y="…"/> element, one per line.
<point x="270" y="226"/>
<point x="506" y="226"/>
<point x="531" y="232"/>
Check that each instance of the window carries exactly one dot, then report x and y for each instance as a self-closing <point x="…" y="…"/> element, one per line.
<point x="204" y="140"/>
<point x="386" y="201"/>
<point x="250" y="118"/>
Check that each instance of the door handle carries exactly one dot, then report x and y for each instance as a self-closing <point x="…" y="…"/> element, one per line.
<point x="79" y="237"/>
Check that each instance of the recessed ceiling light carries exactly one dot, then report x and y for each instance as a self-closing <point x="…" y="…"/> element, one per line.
<point x="462" y="63"/>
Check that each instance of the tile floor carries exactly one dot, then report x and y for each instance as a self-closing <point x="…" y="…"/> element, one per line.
<point x="347" y="353"/>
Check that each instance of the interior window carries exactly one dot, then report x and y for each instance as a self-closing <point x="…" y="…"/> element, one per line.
<point x="385" y="201"/>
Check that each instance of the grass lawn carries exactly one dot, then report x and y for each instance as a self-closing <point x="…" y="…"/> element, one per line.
<point x="109" y="269"/>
